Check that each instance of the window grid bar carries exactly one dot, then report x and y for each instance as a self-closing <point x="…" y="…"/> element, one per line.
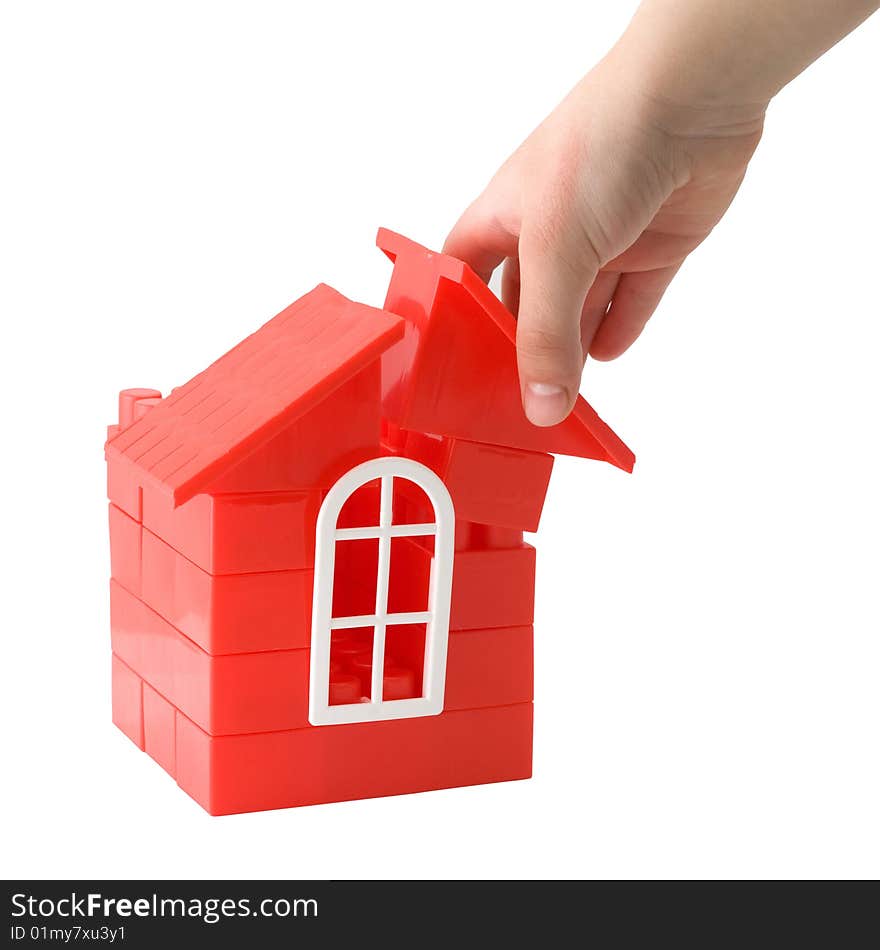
<point x="348" y="623"/>
<point x="370" y="620"/>
<point x="383" y="574"/>
<point x="393" y="531"/>
<point x="410" y="530"/>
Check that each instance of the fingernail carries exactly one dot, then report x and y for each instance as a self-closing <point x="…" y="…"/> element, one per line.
<point x="546" y="404"/>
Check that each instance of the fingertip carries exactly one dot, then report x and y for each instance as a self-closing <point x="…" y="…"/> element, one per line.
<point x="613" y="338"/>
<point x="635" y="299"/>
<point x="602" y="352"/>
<point x="546" y="404"/>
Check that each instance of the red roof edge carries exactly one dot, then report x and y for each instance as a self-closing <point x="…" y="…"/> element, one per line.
<point x="255" y="410"/>
<point x="391" y="244"/>
<point x="395" y="245"/>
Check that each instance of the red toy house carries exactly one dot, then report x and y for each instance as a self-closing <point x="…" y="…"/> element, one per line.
<point x="320" y="589"/>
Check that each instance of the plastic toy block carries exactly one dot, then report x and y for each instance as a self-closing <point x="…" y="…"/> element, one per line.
<point x="230" y="774"/>
<point x="493" y="588"/>
<point x="489" y="667"/>
<point x="497" y="486"/>
<point x="455" y="372"/>
<point x="340" y="432"/>
<point x="123" y="479"/>
<point x="128" y="707"/>
<point x="351" y="654"/>
<point x="238" y="534"/>
<point x="123" y="488"/>
<point x="159" y="718"/>
<point x="345" y="688"/>
<point x="400" y="682"/>
<point x="125" y="550"/>
<point x="489" y="484"/>
<point x="479" y="537"/>
<point x="253" y="393"/>
<point x="244" y="692"/>
<point x="128" y="404"/>
<point x="397" y="678"/>
<point x="227" y="613"/>
<point x="143" y="406"/>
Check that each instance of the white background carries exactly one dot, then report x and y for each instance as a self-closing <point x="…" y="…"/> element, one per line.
<point x="708" y="629"/>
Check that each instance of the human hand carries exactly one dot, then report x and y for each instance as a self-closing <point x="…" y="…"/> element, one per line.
<point x="598" y="208"/>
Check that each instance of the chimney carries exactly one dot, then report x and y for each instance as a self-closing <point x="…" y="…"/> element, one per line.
<point x="129" y="404"/>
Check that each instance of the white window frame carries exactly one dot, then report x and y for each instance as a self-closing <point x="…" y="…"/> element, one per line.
<point x="435" y="618"/>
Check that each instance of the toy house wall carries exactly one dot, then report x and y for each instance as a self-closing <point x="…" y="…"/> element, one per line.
<point x="210" y="615"/>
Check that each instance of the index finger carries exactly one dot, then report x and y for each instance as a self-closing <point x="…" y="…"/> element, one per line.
<point x="480" y="240"/>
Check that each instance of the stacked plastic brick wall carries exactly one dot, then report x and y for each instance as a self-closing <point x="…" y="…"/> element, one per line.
<point x="214" y="495"/>
<point x="211" y="607"/>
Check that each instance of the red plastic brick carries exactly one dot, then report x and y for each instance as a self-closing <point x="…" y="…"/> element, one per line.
<point x="344" y="688"/>
<point x="159" y="729"/>
<point x="489" y="484"/>
<point x="229" y="774"/>
<point x="244" y="692"/>
<point x="493" y="588"/>
<point x="455" y="372"/>
<point x="128" y="708"/>
<point x="143" y="406"/>
<point x="123" y="488"/>
<point x="125" y="550"/>
<point x="479" y="537"/>
<point x="400" y="682"/>
<point x="227" y="613"/>
<point x="129" y="399"/>
<point x="489" y="667"/>
<point x="250" y="395"/>
<point x="238" y="534"/>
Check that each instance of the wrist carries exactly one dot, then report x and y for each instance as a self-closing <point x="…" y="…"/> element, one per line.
<point x="689" y="78"/>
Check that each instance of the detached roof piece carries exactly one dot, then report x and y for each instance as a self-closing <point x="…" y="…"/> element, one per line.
<point x="455" y="373"/>
<point x="260" y="386"/>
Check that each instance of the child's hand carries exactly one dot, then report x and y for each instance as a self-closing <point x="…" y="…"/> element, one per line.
<point x="595" y="213"/>
<point x="598" y="208"/>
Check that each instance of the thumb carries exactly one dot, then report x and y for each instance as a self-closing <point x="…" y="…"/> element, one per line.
<point x="557" y="268"/>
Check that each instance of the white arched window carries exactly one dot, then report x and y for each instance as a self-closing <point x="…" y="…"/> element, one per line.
<point x="435" y="615"/>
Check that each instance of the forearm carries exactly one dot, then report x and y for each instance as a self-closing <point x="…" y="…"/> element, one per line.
<point x="732" y="53"/>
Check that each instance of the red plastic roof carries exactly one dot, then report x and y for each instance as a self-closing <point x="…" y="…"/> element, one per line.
<point x="260" y="386"/>
<point x="457" y="372"/>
